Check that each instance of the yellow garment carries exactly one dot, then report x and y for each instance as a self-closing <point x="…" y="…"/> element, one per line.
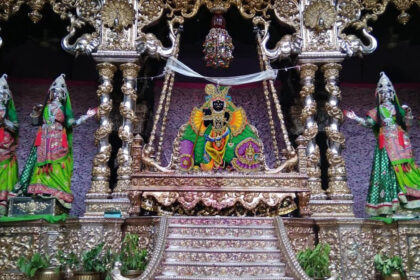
<point x="216" y="154"/>
<point x="207" y="166"/>
<point x="237" y="121"/>
<point x="196" y="121"/>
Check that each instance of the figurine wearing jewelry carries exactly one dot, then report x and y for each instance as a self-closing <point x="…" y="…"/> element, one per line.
<point x="49" y="167"/>
<point x="8" y="143"/>
<point x="395" y="177"/>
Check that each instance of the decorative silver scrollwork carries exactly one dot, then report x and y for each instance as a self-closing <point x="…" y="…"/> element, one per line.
<point x="153" y="46"/>
<point x="288" y="44"/>
<point x="80" y="14"/>
<point x="351" y="45"/>
<point x="349" y="14"/>
<point x="85" y="44"/>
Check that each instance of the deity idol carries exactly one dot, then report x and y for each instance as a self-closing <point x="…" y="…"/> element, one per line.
<point x="49" y="167"/>
<point x="8" y="142"/>
<point x="218" y="136"/>
<point x="395" y="177"/>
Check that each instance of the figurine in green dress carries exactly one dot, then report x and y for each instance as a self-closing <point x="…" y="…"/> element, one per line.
<point x="8" y="143"/>
<point x="395" y="177"/>
<point x="49" y="168"/>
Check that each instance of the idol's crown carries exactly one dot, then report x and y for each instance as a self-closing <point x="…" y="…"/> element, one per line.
<point x="59" y="83"/>
<point x="385" y="85"/>
<point x="217" y="92"/>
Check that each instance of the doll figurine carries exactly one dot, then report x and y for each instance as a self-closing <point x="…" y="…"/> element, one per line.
<point x="218" y="136"/>
<point x="49" y="167"/>
<point x="395" y="177"/>
<point x="8" y="143"/>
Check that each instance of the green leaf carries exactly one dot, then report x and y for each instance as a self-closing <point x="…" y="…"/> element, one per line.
<point x="386" y="265"/>
<point x="33" y="271"/>
<point x="29" y="266"/>
<point x="91" y="258"/>
<point x="131" y="256"/>
<point x="315" y="262"/>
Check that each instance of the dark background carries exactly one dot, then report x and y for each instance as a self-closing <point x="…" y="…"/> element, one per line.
<point x="33" y="50"/>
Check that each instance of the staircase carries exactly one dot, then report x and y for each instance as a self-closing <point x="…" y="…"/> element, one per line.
<point x="222" y="248"/>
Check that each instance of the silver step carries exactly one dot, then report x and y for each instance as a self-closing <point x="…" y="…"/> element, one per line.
<point x="222" y="248"/>
<point x="226" y="256"/>
<point x="229" y="250"/>
<point x="221" y="238"/>
<point x="221" y="231"/>
<point x="221" y="243"/>
<point x="222" y="278"/>
<point x="228" y="221"/>
<point x="221" y="226"/>
<point x="223" y="269"/>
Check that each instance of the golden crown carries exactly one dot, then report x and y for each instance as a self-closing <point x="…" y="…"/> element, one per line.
<point x="217" y="92"/>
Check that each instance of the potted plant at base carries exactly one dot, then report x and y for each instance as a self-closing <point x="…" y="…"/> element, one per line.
<point x="68" y="262"/>
<point x="389" y="268"/>
<point x="39" y="267"/>
<point x="315" y="262"/>
<point x="132" y="258"/>
<point x="93" y="264"/>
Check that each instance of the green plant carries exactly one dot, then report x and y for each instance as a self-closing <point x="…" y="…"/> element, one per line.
<point x="95" y="260"/>
<point x="131" y="257"/>
<point x="91" y="260"/>
<point x="386" y="265"/>
<point x="315" y="261"/>
<point x="29" y="267"/>
<point x="108" y="260"/>
<point x="67" y="260"/>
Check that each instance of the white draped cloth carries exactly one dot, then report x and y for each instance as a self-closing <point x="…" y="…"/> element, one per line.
<point x="179" y="67"/>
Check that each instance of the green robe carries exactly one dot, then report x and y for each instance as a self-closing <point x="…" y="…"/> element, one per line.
<point x="395" y="177"/>
<point x="233" y="141"/>
<point x="8" y="161"/>
<point x="49" y="167"/>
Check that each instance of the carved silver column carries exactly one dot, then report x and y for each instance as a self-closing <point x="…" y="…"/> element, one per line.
<point x="337" y="185"/>
<point x="125" y="132"/>
<point x="307" y="76"/>
<point x="99" y="189"/>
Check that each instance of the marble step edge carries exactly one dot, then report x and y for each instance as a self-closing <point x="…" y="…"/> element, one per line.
<point x="249" y="221"/>
<point x="221" y="223"/>
<point x="224" y="257"/>
<point x="276" y="263"/>
<point x="264" y="227"/>
<point x="222" y="238"/>
<point x="227" y="237"/>
<point x="206" y="245"/>
<point x="223" y="264"/>
<point x="230" y="250"/>
<point x="174" y="277"/>
<point x="219" y="218"/>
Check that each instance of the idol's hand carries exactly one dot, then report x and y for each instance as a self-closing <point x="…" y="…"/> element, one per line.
<point x="350" y="114"/>
<point x="92" y="112"/>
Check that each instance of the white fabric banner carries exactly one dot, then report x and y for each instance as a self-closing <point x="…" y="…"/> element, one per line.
<point x="179" y="67"/>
